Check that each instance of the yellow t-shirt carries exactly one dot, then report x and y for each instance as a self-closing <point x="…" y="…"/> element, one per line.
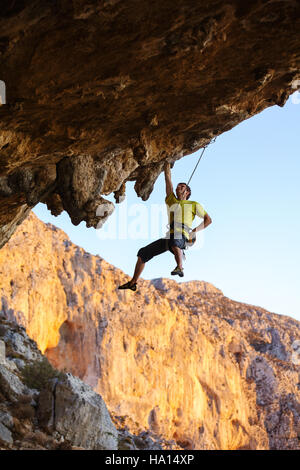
<point x="183" y="212"/>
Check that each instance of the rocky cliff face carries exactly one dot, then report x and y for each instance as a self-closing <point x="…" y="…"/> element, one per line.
<point x="44" y="409"/>
<point x="41" y="408"/>
<point x="102" y="92"/>
<point x="177" y="359"/>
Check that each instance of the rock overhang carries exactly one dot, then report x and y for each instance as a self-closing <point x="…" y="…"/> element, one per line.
<point x="101" y="93"/>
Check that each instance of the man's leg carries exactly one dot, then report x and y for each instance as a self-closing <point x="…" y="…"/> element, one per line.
<point x="176" y="245"/>
<point x="178" y="255"/>
<point x="145" y="254"/>
<point x="138" y="270"/>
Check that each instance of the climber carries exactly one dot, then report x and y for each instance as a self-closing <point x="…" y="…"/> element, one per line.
<point x="181" y="213"/>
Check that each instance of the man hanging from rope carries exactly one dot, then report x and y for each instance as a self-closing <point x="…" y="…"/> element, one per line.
<point x="181" y="213"/>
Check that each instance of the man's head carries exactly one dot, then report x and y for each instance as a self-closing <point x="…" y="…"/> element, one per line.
<point x="183" y="191"/>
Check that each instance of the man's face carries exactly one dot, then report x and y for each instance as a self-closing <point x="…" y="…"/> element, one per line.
<point x="182" y="191"/>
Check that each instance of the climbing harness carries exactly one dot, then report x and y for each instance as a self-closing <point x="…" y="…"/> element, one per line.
<point x="204" y="148"/>
<point x="188" y="244"/>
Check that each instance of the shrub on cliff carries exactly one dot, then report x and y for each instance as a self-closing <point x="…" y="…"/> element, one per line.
<point x="37" y="374"/>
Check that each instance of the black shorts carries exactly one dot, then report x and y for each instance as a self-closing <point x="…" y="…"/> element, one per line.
<point x="161" y="246"/>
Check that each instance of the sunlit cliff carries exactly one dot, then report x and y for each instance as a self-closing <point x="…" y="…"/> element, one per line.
<point x="180" y="359"/>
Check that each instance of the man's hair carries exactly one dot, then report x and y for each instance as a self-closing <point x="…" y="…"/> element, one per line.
<point x="189" y="190"/>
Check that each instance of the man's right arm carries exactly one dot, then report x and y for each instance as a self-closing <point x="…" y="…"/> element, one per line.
<point x="169" y="186"/>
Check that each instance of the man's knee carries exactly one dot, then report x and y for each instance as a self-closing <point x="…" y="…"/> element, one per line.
<point x="174" y="247"/>
<point x="176" y="250"/>
<point x="153" y="249"/>
<point x="142" y="253"/>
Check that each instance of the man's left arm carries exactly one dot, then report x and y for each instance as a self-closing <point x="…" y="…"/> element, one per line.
<point x="206" y="221"/>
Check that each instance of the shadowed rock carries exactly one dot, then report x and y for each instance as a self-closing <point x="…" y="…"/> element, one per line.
<point x="101" y="93"/>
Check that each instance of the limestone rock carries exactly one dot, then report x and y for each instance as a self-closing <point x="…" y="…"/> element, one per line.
<point x="265" y="380"/>
<point x="176" y="359"/>
<point x="81" y="415"/>
<point x="19" y="346"/>
<point x="144" y="440"/>
<point x="69" y="411"/>
<point x="5" y="435"/>
<point x="2" y="352"/>
<point x="10" y="384"/>
<point x="101" y="93"/>
<point x="6" y="419"/>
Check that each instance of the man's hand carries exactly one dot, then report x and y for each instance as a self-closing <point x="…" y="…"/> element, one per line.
<point x="192" y="238"/>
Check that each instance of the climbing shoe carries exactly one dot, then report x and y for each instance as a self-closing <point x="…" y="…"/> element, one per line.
<point x="177" y="271"/>
<point x="128" y="286"/>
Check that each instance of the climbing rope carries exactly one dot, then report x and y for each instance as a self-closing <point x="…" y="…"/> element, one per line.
<point x="211" y="142"/>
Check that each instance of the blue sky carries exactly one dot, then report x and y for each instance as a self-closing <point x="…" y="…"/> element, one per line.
<point x="248" y="181"/>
